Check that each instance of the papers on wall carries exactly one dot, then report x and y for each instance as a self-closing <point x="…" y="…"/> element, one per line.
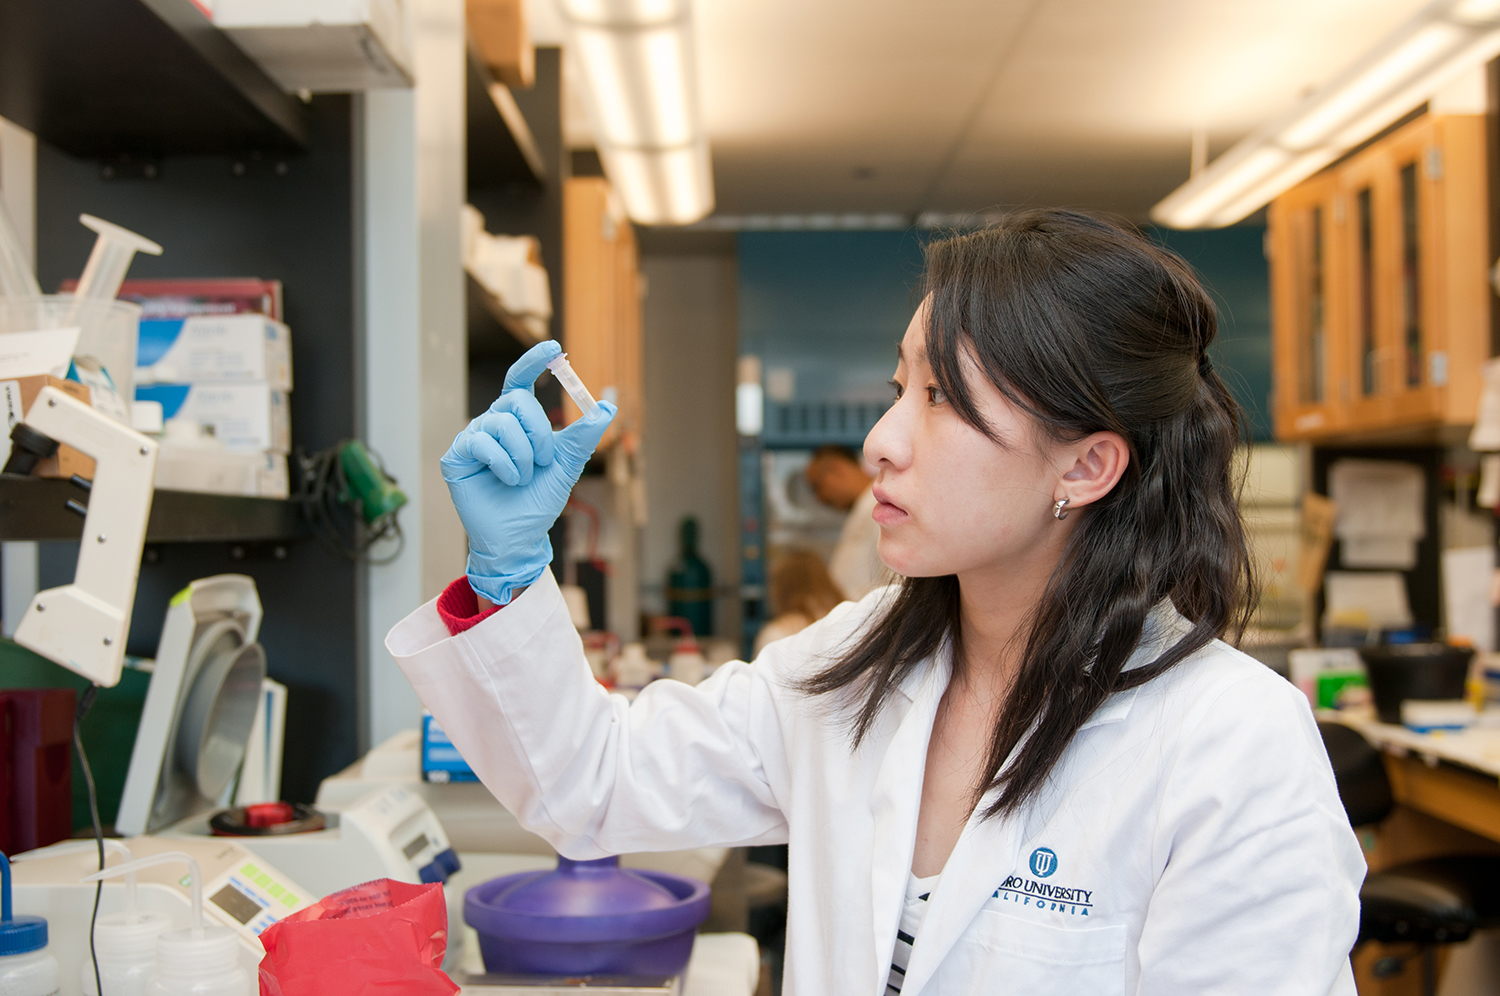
<point x="29" y="354"/>
<point x="1380" y="506"/>
<point x="1489" y="481"/>
<point x="1486" y="434"/>
<point x="1467" y="579"/>
<point x="1366" y="600"/>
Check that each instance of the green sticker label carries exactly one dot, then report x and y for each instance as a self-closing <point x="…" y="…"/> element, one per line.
<point x="181" y="597"/>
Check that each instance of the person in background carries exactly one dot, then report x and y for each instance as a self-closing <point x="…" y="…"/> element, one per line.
<point x="840" y="482"/>
<point x="801" y="594"/>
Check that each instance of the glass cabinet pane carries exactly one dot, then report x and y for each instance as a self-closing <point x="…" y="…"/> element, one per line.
<point x="1411" y="277"/>
<point x="1312" y="320"/>
<point x="1364" y="277"/>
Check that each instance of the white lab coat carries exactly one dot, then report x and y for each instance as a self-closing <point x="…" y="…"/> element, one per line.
<point x="1191" y="840"/>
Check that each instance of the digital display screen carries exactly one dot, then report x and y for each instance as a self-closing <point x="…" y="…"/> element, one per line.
<point x="416" y="847"/>
<point x="234" y="902"/>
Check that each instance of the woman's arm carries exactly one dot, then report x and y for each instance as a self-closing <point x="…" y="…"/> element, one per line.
<point x="1260" y="889"/>
<point x="683" y="767"/>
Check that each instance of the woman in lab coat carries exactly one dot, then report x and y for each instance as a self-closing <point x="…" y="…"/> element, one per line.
<point x="1030" y="767"/>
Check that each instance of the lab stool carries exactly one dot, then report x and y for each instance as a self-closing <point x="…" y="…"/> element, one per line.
<point x="1425" y="903"/>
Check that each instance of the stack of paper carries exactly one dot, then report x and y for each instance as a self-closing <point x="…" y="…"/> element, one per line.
<point x="1380" y="512"/>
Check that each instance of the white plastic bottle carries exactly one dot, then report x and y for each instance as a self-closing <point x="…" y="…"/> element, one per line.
<point x="26" y="967"/>
<point x="126" y="947"/>
<point x="125" y="943"/>
<point x="202" y="962"/>
<point x="198" y="961"/>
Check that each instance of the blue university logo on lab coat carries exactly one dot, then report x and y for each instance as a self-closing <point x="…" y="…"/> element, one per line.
<point x="1043" y="862"/>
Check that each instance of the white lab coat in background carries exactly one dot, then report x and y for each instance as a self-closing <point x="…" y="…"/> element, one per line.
<point x="855" y="564"/>
<point x="1191" y="840"/>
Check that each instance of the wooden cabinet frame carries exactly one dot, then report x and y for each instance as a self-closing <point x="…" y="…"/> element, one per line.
<point x="1390" y="369"/>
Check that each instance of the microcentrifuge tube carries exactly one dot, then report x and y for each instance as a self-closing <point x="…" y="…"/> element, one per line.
<point x="563" y="371"/>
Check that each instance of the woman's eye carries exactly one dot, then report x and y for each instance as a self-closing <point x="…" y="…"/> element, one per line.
<point x="895" y="387"/>
<point x="936" y="396"/>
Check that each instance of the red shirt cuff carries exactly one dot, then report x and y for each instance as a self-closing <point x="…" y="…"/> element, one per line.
<point x="458" y="607"/>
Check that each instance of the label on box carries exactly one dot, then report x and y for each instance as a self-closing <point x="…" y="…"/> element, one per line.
<point x="245" y="347"/>
<point x="441" y="761"/>
<point x="248" y="417"/>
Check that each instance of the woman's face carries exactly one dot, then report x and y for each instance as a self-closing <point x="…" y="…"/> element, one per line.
<point x="950" y="499"/>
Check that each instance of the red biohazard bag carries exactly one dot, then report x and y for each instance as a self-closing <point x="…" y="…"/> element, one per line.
<point x="381" y="937"/>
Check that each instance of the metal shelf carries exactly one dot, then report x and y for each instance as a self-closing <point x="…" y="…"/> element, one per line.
<point x="34" y="508"/>
<point x="113" y="79"/>
<point x="501" y="148"/>
<point x="494" y="331"/>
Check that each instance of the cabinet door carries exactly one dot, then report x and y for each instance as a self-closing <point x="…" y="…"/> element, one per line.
<point x="1308" y="314"/>
<point x="1369" y="244"/>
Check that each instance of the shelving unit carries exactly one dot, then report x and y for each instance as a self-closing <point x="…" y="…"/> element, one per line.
<point x="501" y="147"/>
<point x="138" y="80"/>
<point x="33" y="508"/>
<point x="493" y="330"/>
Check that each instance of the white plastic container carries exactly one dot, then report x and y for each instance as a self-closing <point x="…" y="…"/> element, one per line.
<point x="199" y="963"/>
<point x="32" y="973"/>
<point x="26" y="967"/>
<point x="126" y="948"/>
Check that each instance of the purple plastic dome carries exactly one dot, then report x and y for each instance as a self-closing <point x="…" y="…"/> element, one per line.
<point x="587" y="917"/>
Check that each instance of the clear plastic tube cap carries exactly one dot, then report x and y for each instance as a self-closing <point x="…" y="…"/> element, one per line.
<point x="563" y="371"/>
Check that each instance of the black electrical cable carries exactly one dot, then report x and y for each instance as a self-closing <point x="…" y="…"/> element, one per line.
<point x="335" y="516"/>
<point x="84" y="703"/>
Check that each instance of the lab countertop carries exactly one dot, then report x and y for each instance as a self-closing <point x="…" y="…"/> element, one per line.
<point x="1476" y="748"/>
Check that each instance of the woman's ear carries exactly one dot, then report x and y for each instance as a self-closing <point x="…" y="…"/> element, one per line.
<point x="1099" y="461"/>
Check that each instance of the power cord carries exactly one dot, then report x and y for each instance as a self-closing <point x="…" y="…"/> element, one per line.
<point x="84" y="704"/>
<point x="335" y="517"/>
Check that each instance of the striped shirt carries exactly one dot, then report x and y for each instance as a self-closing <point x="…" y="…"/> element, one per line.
<point x="918" y="891"/>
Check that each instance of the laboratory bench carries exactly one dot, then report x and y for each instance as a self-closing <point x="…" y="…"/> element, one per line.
<point x="1446" y="787"/>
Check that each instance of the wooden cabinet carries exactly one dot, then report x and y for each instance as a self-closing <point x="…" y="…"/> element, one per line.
<point x="1379" y="293"/>
<point x="602" y="295"/>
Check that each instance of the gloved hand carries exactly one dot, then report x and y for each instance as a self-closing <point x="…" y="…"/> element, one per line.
<point x="510" y="476"/>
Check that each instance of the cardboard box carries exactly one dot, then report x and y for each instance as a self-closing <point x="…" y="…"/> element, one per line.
<point x="249" y="417"/>
<point x="212" y="348"/>
<point x="16" y="396"/>
<point x="254" y="475"/>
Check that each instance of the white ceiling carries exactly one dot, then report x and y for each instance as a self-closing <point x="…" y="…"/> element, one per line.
<point x="960" y="105"/>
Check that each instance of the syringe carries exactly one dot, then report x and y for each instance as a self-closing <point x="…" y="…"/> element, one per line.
<point x="563" y="371"/>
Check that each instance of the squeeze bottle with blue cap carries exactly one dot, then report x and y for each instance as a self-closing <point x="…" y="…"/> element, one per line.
<point x="198" y="961"/>
<point x="125" y="943"/>
<point x="26" y="967"/>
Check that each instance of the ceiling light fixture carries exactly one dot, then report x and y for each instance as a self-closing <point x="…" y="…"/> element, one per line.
<point x="1429" y="51"/>
<point x="641" y="86"/>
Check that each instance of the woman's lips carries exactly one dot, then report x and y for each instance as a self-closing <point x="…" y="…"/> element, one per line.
<point x="887" y="512"/>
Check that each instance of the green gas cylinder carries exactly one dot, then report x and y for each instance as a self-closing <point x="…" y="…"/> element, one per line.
<point x="690" y="585"/>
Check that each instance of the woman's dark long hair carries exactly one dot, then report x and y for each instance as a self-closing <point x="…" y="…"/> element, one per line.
<point x="1087" y="326"/>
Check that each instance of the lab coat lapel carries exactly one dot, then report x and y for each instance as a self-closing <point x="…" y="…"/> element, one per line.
<point x="984" y="850"/>
<point x="894" y="805"/>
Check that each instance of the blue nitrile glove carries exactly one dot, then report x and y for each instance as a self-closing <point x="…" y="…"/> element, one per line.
<point x="510" y="476"/>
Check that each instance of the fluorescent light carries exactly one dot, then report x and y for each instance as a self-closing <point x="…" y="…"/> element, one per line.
<point x="634" y="13"/>
<point x="1477" y="11"/>
<point x="640" y="83"/>
<point x="662" y="186"/>
<point x="1403" y="72"/>
<point x="1299" y="169"/>
<point x="1191" y="204"/>
<point x="1334" y="110"/>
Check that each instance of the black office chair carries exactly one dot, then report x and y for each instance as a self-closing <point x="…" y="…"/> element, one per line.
<point x="1424" y="903"/>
